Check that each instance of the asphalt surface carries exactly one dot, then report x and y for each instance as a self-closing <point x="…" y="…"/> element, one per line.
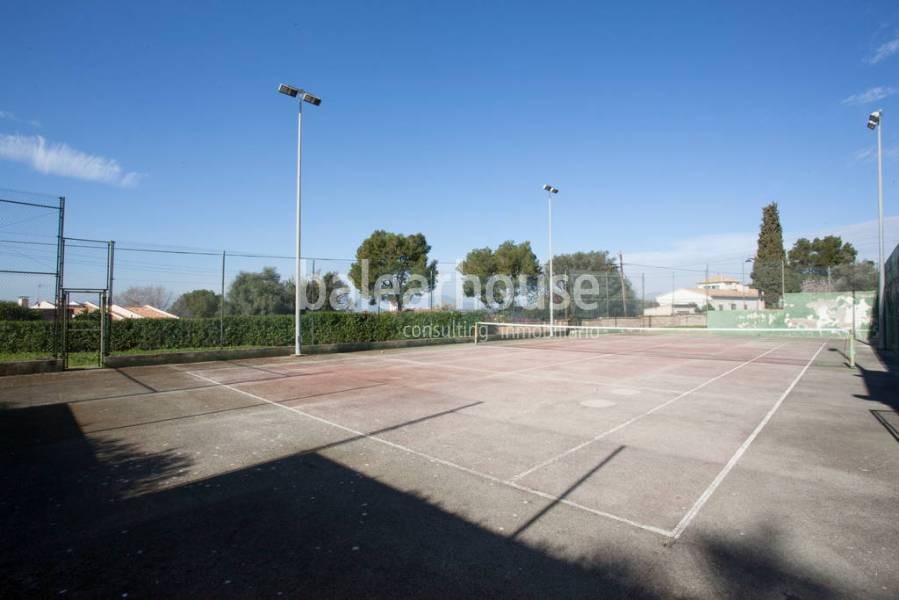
<point x="688" y="469"/>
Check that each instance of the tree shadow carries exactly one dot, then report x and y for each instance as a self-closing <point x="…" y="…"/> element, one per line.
<point x="882" y="385"/>
<point x="759" y="566"/>
<point x="102" y="518"/>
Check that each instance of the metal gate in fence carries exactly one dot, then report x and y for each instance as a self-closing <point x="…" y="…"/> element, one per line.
<point x="84" y="326"/>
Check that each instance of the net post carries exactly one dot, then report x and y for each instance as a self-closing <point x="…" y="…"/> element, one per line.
<point x="476" y="333"/>
<point x="852" y="349"/>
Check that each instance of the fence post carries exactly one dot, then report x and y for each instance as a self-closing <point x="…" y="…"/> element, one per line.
<point x="222" y="306"/>
<point x="643" y="299"/>
<point x="110" y="278"/>
<point x="60" y="280"/>
<point x="608" y="310"/>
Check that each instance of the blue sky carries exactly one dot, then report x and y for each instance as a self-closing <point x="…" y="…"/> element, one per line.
<point x="666" y="126"/>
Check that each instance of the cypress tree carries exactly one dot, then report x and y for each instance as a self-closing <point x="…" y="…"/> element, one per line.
<point x="766" y="269"/>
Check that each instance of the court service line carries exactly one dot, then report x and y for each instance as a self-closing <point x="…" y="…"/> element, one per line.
<point x="632" y="420"/>
<point x="446" y="463"/>
<point x="697" y="506"/>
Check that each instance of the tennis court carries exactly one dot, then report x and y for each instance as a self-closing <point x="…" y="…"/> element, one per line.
<point x="632" y="462"/>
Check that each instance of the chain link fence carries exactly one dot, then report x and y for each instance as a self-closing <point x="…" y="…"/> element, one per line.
<point x="31" y="227"/>
<point x="217" y="287"/>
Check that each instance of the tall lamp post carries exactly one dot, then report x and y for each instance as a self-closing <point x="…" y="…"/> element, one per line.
<point x="550" y="190"/>
<point x="874" y="123"/>
<point x="743" y="271"/>
<point x="304" y="96"/>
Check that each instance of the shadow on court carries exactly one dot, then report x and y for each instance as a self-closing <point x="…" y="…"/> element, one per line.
<point x="882" y="386"/>
<point x="83" y="517"/>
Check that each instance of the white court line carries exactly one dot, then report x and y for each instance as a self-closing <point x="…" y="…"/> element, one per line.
<point x="694" y="510"/>
<point x="362" y="356"/>
<point x="524" y="370"/>
<point x="630" y="421"/>
<point x="446" y="463"/>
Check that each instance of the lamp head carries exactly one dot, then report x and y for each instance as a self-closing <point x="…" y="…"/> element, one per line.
<point x="874" y="119"/>
<point x="313" y="100"/>
<point x="550" y="189"/>
<point x="288" y="90"/>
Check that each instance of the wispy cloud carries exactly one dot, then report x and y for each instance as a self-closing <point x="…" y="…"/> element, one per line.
<point x="871" y="95"/>
<point x="867" y="154"/>
<point x="8" y="116"/>
<point x="62" y="159"/>
<point x="885" y="50"/>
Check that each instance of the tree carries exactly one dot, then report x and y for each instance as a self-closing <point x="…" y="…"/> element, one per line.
<point x="336" y="293"/>
<point x="599" y="264"/>
<point x="198" y="304"/>
<point x="154" y="295"/>
<point x="393" y="266"/>
<point x="515" y="261"/>
<point x="767" y="268"/>
<point x="821" y="253"/>
<point x="856" y="276"/>
<point x="829" y="264"/>
<point x="259" y="293"/>
<point x="11" y="311"/>
<point x="595" y="261"/>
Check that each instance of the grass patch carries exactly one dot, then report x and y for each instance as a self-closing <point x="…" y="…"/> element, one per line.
<point x="85" y="360"/>
<point x="76" y="359"/>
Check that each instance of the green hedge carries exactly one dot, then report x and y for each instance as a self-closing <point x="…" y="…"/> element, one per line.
<point x="277" y="330"/>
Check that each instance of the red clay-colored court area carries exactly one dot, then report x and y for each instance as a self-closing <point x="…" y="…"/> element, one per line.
<point x="631" y="466"/>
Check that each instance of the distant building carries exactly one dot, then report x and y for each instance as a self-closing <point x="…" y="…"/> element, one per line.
<point x="118" y="313"/>
<point x="719" y="292"/>
<point x="48" y="309"/>
<point x="122" y="313"/>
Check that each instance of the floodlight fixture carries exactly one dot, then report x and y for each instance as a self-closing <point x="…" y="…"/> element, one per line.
<point x="874" y="119"/>
<point x="288" y="90"/>
<point x="313" y="100"/>
<point x="550" y="189"/>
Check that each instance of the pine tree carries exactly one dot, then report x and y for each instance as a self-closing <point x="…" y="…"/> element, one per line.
<point x="769" y="257"/>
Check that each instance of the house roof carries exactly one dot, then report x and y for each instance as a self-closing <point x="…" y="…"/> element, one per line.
<point x="720" y="279"/>
<point x="748" y="293"/>
<point x="150" y="312"/>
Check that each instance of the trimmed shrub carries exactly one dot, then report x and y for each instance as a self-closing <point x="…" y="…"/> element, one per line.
<point x="276" y="330"/>
<point x="11" y="311"/>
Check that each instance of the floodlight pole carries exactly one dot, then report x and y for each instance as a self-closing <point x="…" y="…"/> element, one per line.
<point x="549" y="198"/>
<point x="298" y="329"/>
<point x="301" y="96"/>
<point x="881" y="324"/>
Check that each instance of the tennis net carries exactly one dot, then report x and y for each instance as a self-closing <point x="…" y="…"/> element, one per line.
<point x="689" y="342"/>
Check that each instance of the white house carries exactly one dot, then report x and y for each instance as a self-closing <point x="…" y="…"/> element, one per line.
<point x="719" y="292"/>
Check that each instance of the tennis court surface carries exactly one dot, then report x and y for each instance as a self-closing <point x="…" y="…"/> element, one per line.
<point x="645" y="466"/>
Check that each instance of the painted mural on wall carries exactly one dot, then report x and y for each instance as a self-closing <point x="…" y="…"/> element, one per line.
<point x="829" y="310"/>
<point x="818" y="310"/>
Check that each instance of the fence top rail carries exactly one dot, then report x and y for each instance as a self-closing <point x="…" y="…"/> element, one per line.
<point x="74" y="239"/>
<point x="20" y="202"/>
<point x="28" y="272"/>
